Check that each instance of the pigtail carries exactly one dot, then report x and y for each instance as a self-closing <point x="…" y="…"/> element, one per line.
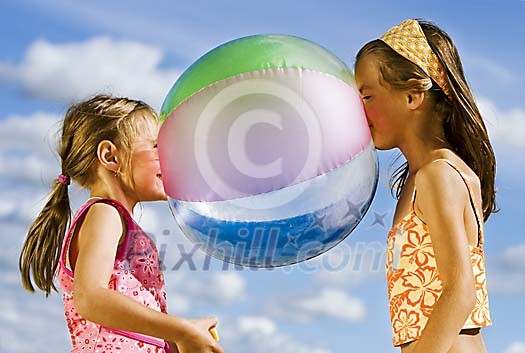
<point x="41" y="250"/>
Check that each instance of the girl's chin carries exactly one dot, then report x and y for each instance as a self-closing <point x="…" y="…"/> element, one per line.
<point x="153" y="195"/>
<point x="161" y="195"/>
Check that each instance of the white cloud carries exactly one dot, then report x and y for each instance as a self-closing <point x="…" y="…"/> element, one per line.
<point x="148" y="219"/>
<point x="28" y="164"/>
<point x="13" y="236"/>
<point x="330" y="303"/>
<point x="506" y="127"/>
<point x="175" y="30"/>
<point x="230" y="286"/>
<point x="29" y="167"/>
<point x="516" y="347"/>
<point x="350" y="266"/>
<point x="24" y="318"/>
<point x="74" y="71"/>
<point x="178" y="304"/>
<point x="222" y="288"/>
<point x="493" y="68"/>
<point x="514" y="258"/>
<point x="507" y="276"/>
<point x="333" y="303"/>
<point x="505" y="282"/>
<point x="259" y="334"/>
<point x="255" y="324"/>
<point x="30" y="132"/>
<point x="27" y="146"/>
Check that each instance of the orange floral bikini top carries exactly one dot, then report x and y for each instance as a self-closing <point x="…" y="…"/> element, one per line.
<point x="414" y="285"/>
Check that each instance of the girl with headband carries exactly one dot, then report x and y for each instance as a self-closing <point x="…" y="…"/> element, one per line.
<point x="417" y="99"/>
<point x="107" y="266"/>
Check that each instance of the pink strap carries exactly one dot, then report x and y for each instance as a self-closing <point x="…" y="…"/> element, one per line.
<point x="80" y="213"/>
<point x="139" y="337"/>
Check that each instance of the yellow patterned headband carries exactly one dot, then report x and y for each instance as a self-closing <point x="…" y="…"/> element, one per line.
<point x="409" y="40"/>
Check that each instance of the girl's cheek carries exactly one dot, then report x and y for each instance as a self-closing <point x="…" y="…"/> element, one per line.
<point x="149" y="155"/>
<point x="371" y="114"/>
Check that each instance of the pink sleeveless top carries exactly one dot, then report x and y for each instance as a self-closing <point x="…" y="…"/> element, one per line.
<point x="136" y="274"/>
<point x="414" y="285"/>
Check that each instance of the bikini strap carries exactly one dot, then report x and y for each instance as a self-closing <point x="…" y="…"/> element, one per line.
<point x="476" y="215"/>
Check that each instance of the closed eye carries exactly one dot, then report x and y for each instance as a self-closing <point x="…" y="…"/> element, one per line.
<point x="365" y="97"/>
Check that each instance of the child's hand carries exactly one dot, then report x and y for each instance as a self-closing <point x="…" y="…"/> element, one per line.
<point x="205" y="322"/>
<point x="197" y="337"/>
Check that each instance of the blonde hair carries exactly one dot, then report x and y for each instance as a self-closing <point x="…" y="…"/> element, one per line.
<point x="85" y="125"/>
<point x="462" y="122"/>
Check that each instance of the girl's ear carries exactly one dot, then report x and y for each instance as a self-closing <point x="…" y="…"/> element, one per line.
<point x="108" y="157"/>
<point x="414" y="99"/>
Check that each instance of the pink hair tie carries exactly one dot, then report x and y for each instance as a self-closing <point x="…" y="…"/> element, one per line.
<point x="64" y="179"/>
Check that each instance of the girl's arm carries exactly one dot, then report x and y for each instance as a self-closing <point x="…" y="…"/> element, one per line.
<point x="442" y="200"/>
<point x="98" y="241"/>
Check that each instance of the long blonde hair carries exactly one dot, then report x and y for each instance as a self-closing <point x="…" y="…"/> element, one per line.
<point x="85" y="125"/>
<point x="463" y="124"/>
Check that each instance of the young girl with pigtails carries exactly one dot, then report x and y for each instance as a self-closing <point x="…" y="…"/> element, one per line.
<point x="107" y="266"/>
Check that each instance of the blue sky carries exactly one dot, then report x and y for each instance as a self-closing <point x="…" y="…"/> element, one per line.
<point x="56" y="52"/>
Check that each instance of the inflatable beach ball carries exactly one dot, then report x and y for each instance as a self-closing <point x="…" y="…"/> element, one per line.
<point x="265" y="151"/>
